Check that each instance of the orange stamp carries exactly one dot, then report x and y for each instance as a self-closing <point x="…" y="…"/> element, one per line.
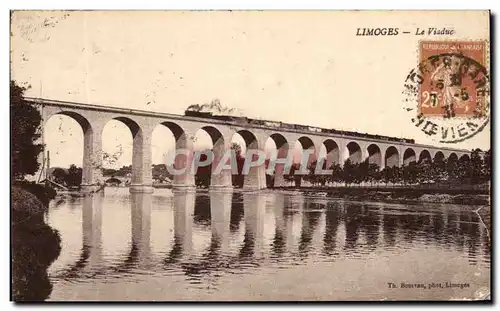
<point x="454" y="78"/>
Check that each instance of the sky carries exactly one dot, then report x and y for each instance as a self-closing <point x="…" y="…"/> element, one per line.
<point x="300" y="67"/>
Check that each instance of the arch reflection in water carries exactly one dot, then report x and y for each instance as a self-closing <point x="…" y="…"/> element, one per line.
<point x="371" y="225"/>
<point x="254" y="212"/>
<point x="92" y="229"/>
<point x="140" y="207"/>
<point x="184" y="202"/>
<point x="288" y="213"/>
<point x="390" y="228"/>
<point x="294" y="211"/>
<point x="237" y="212"/>
<point x="333" y="219"/>
<point x="91" y="256"/>
<point x="220" y="217"/>
<point x="312" y="212"/>
<point x="212" y="258"/>
<point x="279" y="243"/>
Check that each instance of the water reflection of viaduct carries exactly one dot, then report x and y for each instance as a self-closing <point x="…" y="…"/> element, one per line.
<point x="338" y="147"/>
<point x="300" y="228"/>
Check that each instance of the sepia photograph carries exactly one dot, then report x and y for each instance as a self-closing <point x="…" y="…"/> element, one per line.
<point x="250" y="155"/>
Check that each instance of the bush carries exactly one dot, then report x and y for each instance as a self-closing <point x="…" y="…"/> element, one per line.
<point x="41" y="192"/>
<point x="35" y="245"/>
<point x="34" y="248"/>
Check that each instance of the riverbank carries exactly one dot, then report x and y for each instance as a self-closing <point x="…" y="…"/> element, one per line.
<point x="34" y="245"/>
<point x="398" y="195"/>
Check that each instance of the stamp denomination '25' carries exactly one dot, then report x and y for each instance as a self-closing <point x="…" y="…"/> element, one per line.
<point x="448" y="92"/>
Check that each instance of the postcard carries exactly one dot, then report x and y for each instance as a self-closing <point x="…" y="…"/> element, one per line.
<point x="250" y="156"/>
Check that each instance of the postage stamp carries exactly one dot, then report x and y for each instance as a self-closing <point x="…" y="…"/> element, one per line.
<point x="448" y="93"/>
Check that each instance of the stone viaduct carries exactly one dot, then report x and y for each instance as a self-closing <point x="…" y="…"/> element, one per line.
<point x="339" y="147"/>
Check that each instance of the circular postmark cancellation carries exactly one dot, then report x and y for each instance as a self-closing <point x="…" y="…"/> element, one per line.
<point x="448" y="93"/>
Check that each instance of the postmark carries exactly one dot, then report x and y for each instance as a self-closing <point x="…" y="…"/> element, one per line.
<point x="448" y="93"/>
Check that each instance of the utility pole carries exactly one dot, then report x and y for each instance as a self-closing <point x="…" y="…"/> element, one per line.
<point x="47" y="175"/>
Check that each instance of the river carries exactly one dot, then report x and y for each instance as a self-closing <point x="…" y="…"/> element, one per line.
<point x="266" y="245"/>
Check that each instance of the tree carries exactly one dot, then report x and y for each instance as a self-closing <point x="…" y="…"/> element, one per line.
<point x="109" y="171"/>
<point x="349" y="172"/>
<point x="297" y="177"/>
<point x="238" y="179"/>
<point x="337" y="173"/>
<point x="372" y="173"/>
<point x="397" y="174"/>
<point x="463" y="169"/>
<point x="366" y="172"/>
<point x="393" y="174"/>
<point x="452" y="169"/>
<point x="322" y="179"/>
<point x="438" y="169"/>
<point x="487" y="165"/>
<point x="411" y="173"/>
<point x="311" y="176"/>
<point x="361" y="172"/>
<point x="59" y="175"/>
<point x="476" y="167"/>
<point x="386" y="175"/>
<point x="25" y="130"/>
<point x="160" y="172"/>
<point x="269" y="177"/>
<point x="291" y="177"/>
<point x="314" y="178"/>
<point x="204" y="173"/>
<point x="425" y="172"/>
<point x="74" y="176"/>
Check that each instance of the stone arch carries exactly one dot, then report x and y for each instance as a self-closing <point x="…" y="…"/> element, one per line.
<point x="181" y="160"/>
<point x="176" y="129"/>
<point x="453" y="157"/>
<point x="464" y="157"/>
<point x="409" y="156"/>
<point x="307" y="144"/>
<point x="439" y="156"/>
<point x="374" y="155"/>
<point x="213" y="132"/>
<point x="452" y="161"/>
<point x="83" y="121"/>
<point x="91" y="161"/>
<point x="332" y="152"/>
<point x="141" y="158"/>
<point x="282" y="148"/>
<point x="355" y="155"/>
<point x="391" y="157"/>
<point x="424" y="156"/>
<point x="439" y="160"/>
<point x="255" y="177"/>
<point x="131" y="124"/>
<point x="220" y="145"/>
<point x="279" y="140"/>
<point x="249" y="138"/>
